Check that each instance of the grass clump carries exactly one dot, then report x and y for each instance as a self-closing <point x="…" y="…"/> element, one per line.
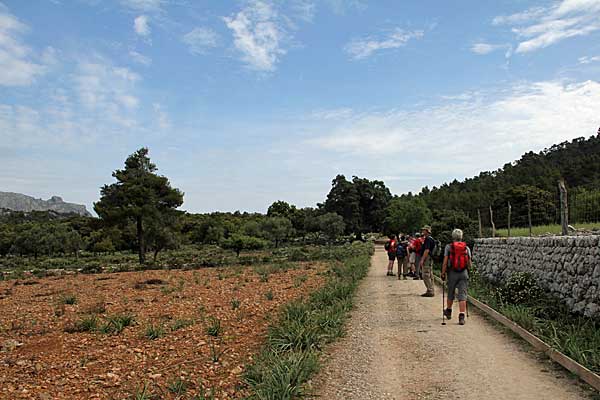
<point x="88" y="323"/>
<point x="235" y="304"/>
<point x="214" y="328"/>
<point x="178" y="387"/>
<point x="291" y="355"/>
<point x="115" y="324"/>
<point x="69" y="299"/>
<point x="269" y="295"/>
<point x="154" y="331"/>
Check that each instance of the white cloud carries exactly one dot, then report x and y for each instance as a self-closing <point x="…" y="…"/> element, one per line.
<point x="304" y="9"/>
<point x="484" y="132"/>
<point x="341" y="7"/>
<point x="363" y="48"/>
<point x="16" y="65"/>
<point x="540" y="27"/>
<point x="140" y="25"/>
<point x="144" y="5"/>
<point x="258" y="35"/>
<point x="140" y="58"/>
<point x="588" y="60"/>
<point x="200" y="40"/>
<point x="519" y="18"/>
<point x="486" y="48"/>
<point x="107" y="90"/>
<point x="162" y="118"/>
<point x="96" y="102"/>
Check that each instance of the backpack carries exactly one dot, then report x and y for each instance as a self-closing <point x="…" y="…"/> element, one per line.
<point x="401" y="250"/>
<point x="387" y="245"/>
<point x="459" y="256"/>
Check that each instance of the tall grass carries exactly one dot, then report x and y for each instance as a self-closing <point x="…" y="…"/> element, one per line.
<point x="290" y="356"/>
<point x="573" y="335"/>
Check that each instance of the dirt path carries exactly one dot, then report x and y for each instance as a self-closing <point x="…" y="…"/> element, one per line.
<point x="396" y="348"/>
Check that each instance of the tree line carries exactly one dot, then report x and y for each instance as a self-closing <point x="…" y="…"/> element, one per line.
<point x="139" y="211"/>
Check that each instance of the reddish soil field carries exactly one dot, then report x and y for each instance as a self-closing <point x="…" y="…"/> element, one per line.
<point x="40" y="359"/>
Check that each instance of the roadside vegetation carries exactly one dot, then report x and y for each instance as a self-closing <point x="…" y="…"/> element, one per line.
<point x="304" y="326"/>
<point x="524" y="302"/>
<point x="540" y="230"/>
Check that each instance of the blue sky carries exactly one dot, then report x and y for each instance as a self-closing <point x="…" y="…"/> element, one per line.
<point x="246" y="102"/>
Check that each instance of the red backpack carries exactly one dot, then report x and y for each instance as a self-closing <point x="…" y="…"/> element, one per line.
<point x="459" y="256"/>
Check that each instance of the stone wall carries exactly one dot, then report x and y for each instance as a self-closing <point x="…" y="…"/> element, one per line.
<point x="568" y="267"/>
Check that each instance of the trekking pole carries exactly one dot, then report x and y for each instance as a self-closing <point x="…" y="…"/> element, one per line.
<point x="443" y="298"/>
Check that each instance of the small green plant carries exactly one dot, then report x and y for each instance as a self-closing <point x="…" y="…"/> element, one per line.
<point x="181" y="323"/>
<point x="214" y="327"/>
<point x="269" y="295"/>
<point x="86" y="324"/>
<point x="178" y="387"/>
<point x="116" y="324"/>
<point x="263" y="273"/>
<point x="154" y="331"/>
<point x="299" y="280"/>
<point x="143" y="393"/>
<point x="69" y="299"/>
<point x="235" y="304"/>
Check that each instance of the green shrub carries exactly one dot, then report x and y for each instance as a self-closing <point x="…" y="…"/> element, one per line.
<point x="520" y="288"/>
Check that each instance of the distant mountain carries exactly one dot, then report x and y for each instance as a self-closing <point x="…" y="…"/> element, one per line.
<point x="21" y="202"/>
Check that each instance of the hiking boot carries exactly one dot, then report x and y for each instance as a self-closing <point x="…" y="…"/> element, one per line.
<point x="428" y="294"/>
<point x="461" y="319"/>
<point x="416" y="278"/>
<point x="448" y="313"/>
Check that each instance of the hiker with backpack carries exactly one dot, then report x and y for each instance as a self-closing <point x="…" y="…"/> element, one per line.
<point x="390" y="247"/>
<point x="402" y="256"/>
<point x="456" y="266"/>
<point x="426" y="260"/>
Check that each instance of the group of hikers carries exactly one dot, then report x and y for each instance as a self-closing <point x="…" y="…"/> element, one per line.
<point x="415" y="260"/>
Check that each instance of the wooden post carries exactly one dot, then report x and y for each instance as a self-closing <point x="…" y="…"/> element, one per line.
<point x="492" y="221"/>
<point x="564" y="207"/>
<point x="529" y="214"/>
<point x="509" y="212"/>
<point x="479" y="218"/>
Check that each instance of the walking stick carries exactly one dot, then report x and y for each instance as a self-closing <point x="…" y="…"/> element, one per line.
<point x="443" y="296"/>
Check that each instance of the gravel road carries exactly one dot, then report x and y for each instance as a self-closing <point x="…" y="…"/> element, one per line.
<point x="396" y="348"/>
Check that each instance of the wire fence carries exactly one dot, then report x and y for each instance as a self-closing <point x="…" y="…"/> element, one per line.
<point x="536" y="213"/>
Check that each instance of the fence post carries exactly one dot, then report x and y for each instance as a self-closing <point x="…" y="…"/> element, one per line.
<point x="529" y="213"/>
<point x="509" y="212"/>
<point x="479" y="219"/>
<point x="564" y="207"/>
<point x="492" y="221"/>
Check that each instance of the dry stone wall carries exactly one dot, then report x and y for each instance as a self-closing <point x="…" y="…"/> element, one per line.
<point x="568" y="267"/>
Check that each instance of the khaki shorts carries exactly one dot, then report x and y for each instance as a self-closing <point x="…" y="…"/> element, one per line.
<point x="412" y="257"/>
